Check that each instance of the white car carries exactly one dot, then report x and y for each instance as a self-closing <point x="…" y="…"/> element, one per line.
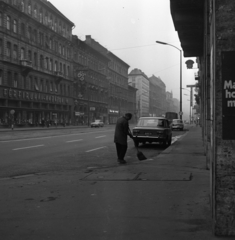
<point x="177" y="124"/>
<point x="97" y="123"/>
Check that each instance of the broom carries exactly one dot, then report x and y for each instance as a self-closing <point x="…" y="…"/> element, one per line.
<point x="140" y="155"/>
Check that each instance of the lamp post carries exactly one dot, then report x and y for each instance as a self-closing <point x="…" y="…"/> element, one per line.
<point x="180" y="73"/>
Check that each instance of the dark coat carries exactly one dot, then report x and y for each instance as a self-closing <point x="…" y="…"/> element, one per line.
<point x="121" y="131"/>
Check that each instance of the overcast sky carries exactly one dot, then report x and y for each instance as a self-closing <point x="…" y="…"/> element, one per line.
<point x="130" y="29"/>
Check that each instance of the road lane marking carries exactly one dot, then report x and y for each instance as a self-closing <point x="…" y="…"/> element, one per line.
<point x="74" y="140"/>
<point x="95" y="149"/>
<point x="40" y="138"/>
<point x="100" y="136"/>
<point x="27" y="147"/>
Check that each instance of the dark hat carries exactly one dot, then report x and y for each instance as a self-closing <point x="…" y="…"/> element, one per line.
<point x="129" y="115"/>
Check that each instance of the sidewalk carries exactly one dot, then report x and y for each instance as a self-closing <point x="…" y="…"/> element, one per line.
<point x="165" y="198"/>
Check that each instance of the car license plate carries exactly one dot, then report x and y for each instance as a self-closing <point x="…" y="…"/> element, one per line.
<point x="148" y="134"/>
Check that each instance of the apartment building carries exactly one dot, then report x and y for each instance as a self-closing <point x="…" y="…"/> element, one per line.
<point x="36" y="68"/>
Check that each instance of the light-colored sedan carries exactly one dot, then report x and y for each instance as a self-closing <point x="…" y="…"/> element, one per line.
<point x="177" y="124"/>
<point x="152" y="129"/>
<point x="97" y="123"/>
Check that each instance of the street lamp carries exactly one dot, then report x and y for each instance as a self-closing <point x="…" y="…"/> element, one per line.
<point x="180" y="73"/>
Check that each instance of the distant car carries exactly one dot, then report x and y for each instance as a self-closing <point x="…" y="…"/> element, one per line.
<point x="152" y="129"/>
<point x="97" y="123"/>
<point x="177" y="124"/>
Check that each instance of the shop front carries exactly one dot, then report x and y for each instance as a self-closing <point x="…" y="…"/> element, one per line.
<point x="113" y="116"/>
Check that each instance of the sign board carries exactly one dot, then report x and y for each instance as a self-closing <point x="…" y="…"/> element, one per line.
<point x="228" y="95"/>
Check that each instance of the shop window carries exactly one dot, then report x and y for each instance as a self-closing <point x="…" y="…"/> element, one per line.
<point x="15" y="80"/>
<point x="15" y="26"/>
<point x="8" y="23"/>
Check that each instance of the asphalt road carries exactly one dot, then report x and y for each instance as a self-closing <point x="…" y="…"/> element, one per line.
<point x="29" y="152"/>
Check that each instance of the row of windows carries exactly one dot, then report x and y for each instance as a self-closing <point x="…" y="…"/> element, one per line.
<point x="44" y="62"/>
<point x="45" y="18"/>
<point x="37" y="37"/>
<point x="34" y="83"/>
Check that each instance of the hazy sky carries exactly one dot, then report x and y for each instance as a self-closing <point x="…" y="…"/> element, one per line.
<point x="130" y="29"/>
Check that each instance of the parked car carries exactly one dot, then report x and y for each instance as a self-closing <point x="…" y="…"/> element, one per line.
<point x="152" y="129"/>
<point x="97" y="123"/>
<point x="177" y="124"/>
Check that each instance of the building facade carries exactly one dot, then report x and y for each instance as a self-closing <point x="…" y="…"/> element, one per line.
<point x="36" y="67"/>
<point x="90" y="89"/>
<point x="206" y="31"/>
<point x="157" y="96"/>
<point x="139" y="80"/>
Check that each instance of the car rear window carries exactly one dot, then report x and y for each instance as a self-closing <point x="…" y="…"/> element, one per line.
<point x="177" y="121"/>
<point x="150" y="123"/>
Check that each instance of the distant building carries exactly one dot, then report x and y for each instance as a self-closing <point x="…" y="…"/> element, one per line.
<point x="139" y="80"/>
<point x="157" y="105"/>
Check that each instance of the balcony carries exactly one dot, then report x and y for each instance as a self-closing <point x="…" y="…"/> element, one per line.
<point x="59" y="76"/>
<point x="26" y="67"/>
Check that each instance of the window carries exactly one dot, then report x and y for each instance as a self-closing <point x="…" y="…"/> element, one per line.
<point x="8" y="49"/>
<point x="41" y="37"/>
<point x="40" y="16"/>
<point x="41" y="85"/>
<point x="29" y="8"/>
<point x="55" y="66"/>
<point x="59" y="48"/>
<point x="22" y="54"/>
<point x="46" y="19"/>
<point x="35" y="12"/>
<point x="0" y="19"/>
<point x="64" y="70"/>
<point x="50" y="43"/>
<point x="51" y="87"/>
<point x="1" y="80"/>
<point x="68" y="71"/>
<point x="46" y="86"/>
<point x="35" y="59"/>
<point x="15" y="52"/>
<point x="30" y="82"/>
<point x="35" y="35"/>
<point x="63" y="52"/>
<point x="22" y="5"/>
<point x="36" y="84"/>
<point x="8" y="23"/>
<point x="15" y="80"/>
<point x="46" y="63"/>
<point x="1" y="47"/>
<point x="30" y="33"/>
<point x="56" y="88"/>
<point x="50" y="64"/>
<point x="22" y="29"/>
<point x="60" y="67"/>
<point x="15" y="26"/>
<point x="29" y="55"/>
<point x="9" y="78"/>
<point x="55" y="26"/>
<point x="41" y="61"/>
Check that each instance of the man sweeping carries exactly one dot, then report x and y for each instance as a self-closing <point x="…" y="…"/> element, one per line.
<point x="120" y="136"/>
